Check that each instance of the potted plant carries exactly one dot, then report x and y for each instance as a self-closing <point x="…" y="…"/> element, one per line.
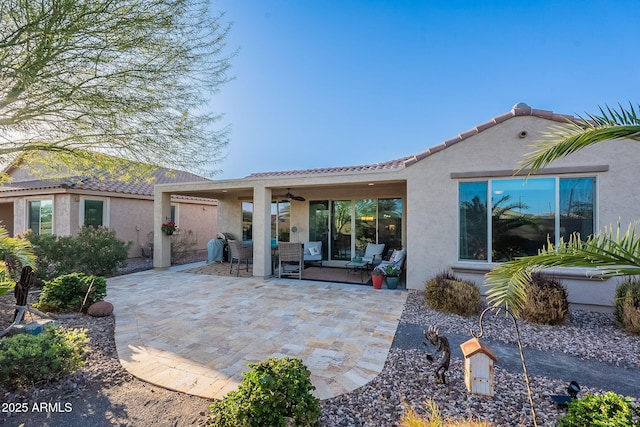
<point x="168" y="228"/>
<point x="392" y="274"/>
<point x="377" y="276"/>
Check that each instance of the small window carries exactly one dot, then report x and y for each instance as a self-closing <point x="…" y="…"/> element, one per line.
<point x="94" y="212"/>
<point x="40" y="217"/>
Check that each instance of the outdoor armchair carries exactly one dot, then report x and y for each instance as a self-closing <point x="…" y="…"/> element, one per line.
<point x="396" y="259"/>
<point x="240" y="253"/>
<point x="313" y="252"/>
<point x="290" y="259"/>
<point x="373" y="253"/>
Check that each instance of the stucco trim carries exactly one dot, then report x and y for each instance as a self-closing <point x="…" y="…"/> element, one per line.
<point x="589" y="275"/>
<point x="546" y="171"/>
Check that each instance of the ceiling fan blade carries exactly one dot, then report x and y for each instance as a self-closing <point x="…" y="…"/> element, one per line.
<point x="292" y="197"/>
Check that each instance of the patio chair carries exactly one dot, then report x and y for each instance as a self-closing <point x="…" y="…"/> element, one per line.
<point x="290" y="259"/>
<point x="373" y="254"/>
<point x="313" y="252"/>
<point x="396" y="259"/>
<point x="240" y="253"/>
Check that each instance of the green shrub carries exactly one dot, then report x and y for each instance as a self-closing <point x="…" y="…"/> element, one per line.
<point x="55" y="255"/>
<point x="101" y="252"/>
<point x="94" y="251"/>
<point x="609" y="410"/>
<point x="447" y="292"/>
<point x="546" y="301"/>
<point x="66" y="293"/>
<point x="274" y="393"/>
<point x="31" y="359"/>
<point x="627" y="308"/>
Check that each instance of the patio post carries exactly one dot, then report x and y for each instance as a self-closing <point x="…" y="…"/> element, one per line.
<point x="161" y="241"/>
<point x="261" y="231"/>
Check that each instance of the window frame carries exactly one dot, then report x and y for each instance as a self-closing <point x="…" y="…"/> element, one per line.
<point x="106" y="209"/>
<point x="27" y="209"/>
<point x="489" y="181"/>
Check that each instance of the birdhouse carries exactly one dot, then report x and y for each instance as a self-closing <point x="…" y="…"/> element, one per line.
<point x="478" y="367"/>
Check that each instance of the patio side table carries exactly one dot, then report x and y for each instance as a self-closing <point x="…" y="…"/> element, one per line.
<point x="354" y="266"/>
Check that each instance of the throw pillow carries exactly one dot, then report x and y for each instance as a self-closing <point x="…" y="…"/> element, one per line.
<point x="314" y="251"/>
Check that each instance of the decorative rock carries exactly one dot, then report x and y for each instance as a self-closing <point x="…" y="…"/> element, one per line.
<point x="100" y="309"/>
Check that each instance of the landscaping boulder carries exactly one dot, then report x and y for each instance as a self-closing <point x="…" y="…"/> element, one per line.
<point x="100" y="309"/>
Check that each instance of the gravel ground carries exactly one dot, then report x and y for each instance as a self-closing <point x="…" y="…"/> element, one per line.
<point x="102" y="393"/>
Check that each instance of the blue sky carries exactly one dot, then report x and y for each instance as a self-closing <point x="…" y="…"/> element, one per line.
<point x="328" y="83"/>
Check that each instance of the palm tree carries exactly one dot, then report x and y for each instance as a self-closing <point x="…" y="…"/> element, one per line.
<point x="609" y="252"/>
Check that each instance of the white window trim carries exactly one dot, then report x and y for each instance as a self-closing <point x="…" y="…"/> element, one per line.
<point x="106" y="209"/>
<point x="28" y="201"/>
<point x="177" y="214"/>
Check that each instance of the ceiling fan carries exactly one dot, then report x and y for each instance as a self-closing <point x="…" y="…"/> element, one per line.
<point x="290" y="196"/>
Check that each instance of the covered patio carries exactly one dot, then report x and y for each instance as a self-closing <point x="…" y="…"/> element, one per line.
<point x="343" y="210"/>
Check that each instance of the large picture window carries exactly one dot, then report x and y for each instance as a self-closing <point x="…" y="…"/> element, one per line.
<point x="524" y="214"/>
<point x="40" y="217"/>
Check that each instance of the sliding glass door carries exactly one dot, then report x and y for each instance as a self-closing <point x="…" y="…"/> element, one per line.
<point x="341" y="230"/>
<point x="319" y="224"/>
<point x="345" y="227"/>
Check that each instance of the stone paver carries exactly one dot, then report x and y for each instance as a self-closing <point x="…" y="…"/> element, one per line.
<point x="196" y="333"/>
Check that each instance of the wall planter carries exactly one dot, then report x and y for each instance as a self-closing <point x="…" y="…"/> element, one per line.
<point x="168" y="228"/>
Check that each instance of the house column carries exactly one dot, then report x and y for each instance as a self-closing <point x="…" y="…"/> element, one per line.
<point x="161" y="242"/>
<point x="261" y="231"/>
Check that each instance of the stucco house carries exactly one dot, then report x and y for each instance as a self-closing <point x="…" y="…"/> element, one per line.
<point x="457" y="205"/>
<point x="61" y="205"/>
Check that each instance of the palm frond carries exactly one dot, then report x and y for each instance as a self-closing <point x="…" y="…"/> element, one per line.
<point x="563" y="140"/>
<point x="609" y="253"/>
<point x="19" y="249"/>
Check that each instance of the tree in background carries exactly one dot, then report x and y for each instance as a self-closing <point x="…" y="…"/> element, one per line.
<point x="611" y="251"/>
<point x="130" y="79"/>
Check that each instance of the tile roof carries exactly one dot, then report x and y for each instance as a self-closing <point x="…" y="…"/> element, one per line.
<point x="520" y="109"/>
<point x="141" y="187"/>
<point x="392" y="164"/>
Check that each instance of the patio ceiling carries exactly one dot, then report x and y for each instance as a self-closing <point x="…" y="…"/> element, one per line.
<point x="243" y="190"/>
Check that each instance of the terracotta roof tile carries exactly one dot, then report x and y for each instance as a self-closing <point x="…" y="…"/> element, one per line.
<point x="392" y="164"/>
<point x="105" y="183"/>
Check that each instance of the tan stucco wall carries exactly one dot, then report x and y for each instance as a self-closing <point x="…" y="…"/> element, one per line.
<point x="432" y="213"/>
<point x="132" y="219"/>
<point x="6" y="216"/>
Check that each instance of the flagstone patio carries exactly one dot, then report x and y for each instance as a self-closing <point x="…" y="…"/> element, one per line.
<point x="196" y="333"/>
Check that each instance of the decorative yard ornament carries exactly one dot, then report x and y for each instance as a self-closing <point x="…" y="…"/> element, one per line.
<point x="436" y="338"/>
<point x="519" y="341"/>
<point x="478" y="367"/>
